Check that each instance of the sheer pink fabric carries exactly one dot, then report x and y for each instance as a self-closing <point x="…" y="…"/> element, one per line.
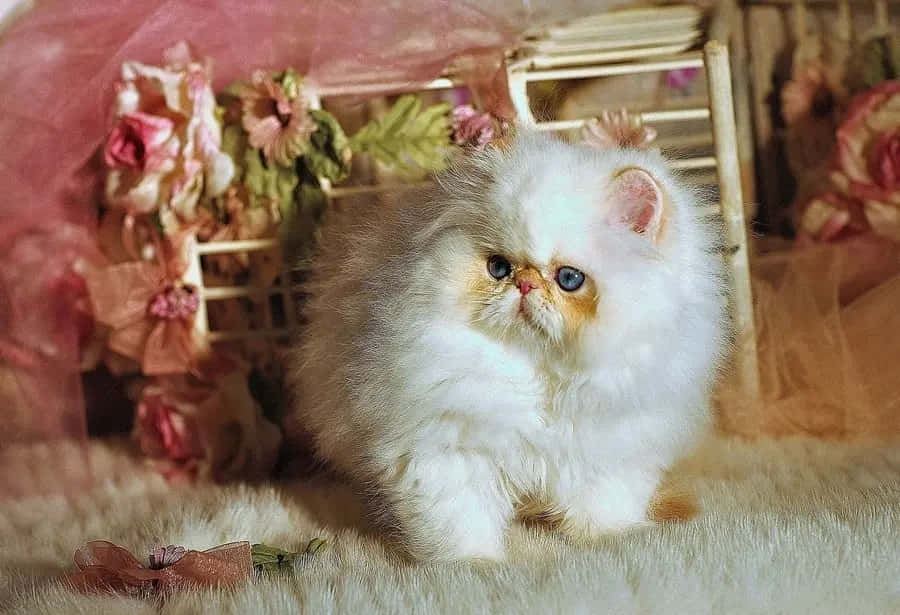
<point x="828" y="329"/>
<point x="58" y="66"/>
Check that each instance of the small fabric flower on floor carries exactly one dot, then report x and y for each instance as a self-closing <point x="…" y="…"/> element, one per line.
<point x="275" y="116"/>
<point x="160" y="557"/>
<point x="105" y="568"/>
<point x="617" y="129"/>
<point x="470" y="128"/>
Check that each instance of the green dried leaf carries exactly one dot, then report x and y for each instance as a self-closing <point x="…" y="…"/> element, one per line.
<point x="316" y="546"/>
<point x="268" y="181"/>
<point x="272" y="559"/>
<point x="291" y="82"/>
<point x="328" y="154"/>
<point x="408" y="138"/>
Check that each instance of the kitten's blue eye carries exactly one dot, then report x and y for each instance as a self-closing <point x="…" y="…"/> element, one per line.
<point x="498" y="267"/>
<point x="569" y="278"/>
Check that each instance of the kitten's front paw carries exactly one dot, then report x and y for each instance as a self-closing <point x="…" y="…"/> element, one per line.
<point x="607" y="506"/>
<point x="488" y="548"/>
<point x="448" y="509"/>
<point x="583" y="526"/>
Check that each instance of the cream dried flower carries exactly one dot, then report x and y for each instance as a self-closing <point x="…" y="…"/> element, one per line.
<point x="617" y="129"/>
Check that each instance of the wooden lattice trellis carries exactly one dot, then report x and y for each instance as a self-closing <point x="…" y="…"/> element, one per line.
<point x="578" y="51"/>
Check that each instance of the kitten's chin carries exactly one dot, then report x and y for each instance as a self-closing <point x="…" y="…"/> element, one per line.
<point x="531" y="319"/>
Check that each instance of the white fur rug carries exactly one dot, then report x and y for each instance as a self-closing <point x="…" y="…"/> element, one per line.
<point x="796" y="526"/>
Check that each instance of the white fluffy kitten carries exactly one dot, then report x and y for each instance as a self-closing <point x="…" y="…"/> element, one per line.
<point x="537" y="337"/>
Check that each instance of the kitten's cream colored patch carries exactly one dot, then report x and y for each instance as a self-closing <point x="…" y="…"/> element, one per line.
<point x="673" y="505"/>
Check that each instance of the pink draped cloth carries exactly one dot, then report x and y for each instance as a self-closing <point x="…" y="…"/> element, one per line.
<point x="58" y="66"/>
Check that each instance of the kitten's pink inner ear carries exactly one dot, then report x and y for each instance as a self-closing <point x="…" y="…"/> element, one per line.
<point x="636" y="202"/>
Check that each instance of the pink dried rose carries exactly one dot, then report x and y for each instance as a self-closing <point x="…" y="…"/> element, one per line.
<point x="617" y="129"/>
<point x="866" y="165"/>
<point x="470" y="128"/>
<point x="139" y="142"/>
<point x="164" y="151"/>
<point x="164" y="433"/>
<point x="275" y="116"/>
<point x="205" y="426"/>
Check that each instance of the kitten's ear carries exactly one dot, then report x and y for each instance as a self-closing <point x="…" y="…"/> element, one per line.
<point x="636" y="202"/>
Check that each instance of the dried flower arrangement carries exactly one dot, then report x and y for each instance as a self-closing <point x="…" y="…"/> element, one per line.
<point x="185" y="164"/>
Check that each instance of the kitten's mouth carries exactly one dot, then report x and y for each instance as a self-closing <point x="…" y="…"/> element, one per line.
<point x="525" y="311"/>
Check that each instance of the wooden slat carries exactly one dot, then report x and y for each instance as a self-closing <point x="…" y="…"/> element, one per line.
<point x="691" y="60"/>
<point x="718" y="77"/>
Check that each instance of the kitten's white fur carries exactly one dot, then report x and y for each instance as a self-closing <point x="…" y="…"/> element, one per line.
<point x="454" y="413"/>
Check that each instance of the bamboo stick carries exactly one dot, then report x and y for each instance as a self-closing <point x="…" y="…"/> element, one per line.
<point x="743" y="113"/>
<point x="546" y="61"/>
<point x="882" y="22"/>
<point x="718" y="77"/>
<point x="706" y="162"/>
<point x="766" y="35"/>
<point x="347" y="191"/>
<point x="216" y="337"/>
<point x="244" y="245"/>
<point x="648" y="117"/>
<point x="194" y="275"/>
<point x="219" y="293"/>
<point x="687" y="61"/>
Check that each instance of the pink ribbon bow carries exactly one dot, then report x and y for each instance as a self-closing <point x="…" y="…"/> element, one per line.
<point x="108" y="568"/>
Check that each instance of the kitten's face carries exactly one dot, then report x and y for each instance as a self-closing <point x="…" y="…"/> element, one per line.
<point x="514" y="296"/>
<point x="560" y="241"/>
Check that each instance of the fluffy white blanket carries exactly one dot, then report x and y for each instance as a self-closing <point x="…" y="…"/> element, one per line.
<point x="796" y="526"/>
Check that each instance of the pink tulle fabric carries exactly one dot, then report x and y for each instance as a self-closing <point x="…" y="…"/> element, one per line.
<point x="58" y="65"/>
<point x="106" y="568"/>
<point x="828" y="335"/>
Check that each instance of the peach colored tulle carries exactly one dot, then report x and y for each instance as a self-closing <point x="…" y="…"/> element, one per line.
<point x="828" y="329"/>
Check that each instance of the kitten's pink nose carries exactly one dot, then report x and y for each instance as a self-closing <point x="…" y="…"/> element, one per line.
<point x="527" y="280"/>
